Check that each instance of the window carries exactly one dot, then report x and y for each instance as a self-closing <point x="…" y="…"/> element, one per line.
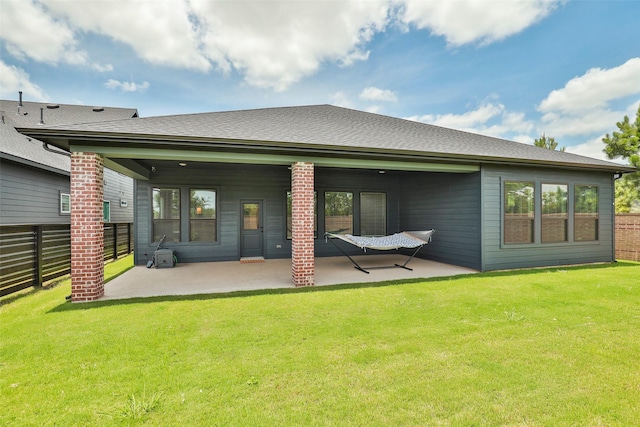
<point x="338" y="212"/>
<point x="518" y="212"/>
<point x="290" y="215"/>
<point x="166" y="214"/>
<point x="106" y="211"/>
<point x="202" y="215"/>
<point x="555" y="217"/>
<point x="65" y="203"/>
<point x="373" y="214"/>
<point x="585" y="213"/>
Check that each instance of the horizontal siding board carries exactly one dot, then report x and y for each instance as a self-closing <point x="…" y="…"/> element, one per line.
<point x="31" y="196"/>
<point x="497" y="256"/>
<point x="234" y="183"/>
<point x="119" y="187"/>
<point x="450" y="204"/>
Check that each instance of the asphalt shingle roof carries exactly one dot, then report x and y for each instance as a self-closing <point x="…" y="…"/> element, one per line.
<point x="336" y="128"/>
<point x="19" y="147"/>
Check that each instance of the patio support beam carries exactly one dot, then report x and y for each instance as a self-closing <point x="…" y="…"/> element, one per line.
<point x="87" y="229"/>
<point x="302" y="238"/>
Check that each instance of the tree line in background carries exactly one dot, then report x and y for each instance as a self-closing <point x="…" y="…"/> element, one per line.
<point x="623" y="143"/>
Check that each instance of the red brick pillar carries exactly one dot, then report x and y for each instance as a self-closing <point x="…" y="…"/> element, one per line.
<point x="87" y="229"/>
<point x="302" y="239"/>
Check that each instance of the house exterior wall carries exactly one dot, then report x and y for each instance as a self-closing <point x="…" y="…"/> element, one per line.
<point x="356" y="182"/>
<point x="119" y="187"/>
<point x="232" y="183"/>
<point x="497" y="255"/>
<point x="31" y="196"/>
<point x="450" y="204"/>
<point x="270" y="184"/>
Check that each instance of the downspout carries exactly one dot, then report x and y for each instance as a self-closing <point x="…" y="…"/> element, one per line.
<point x="616" y="176"/>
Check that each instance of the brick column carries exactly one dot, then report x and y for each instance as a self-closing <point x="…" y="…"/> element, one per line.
<point x="302" y="241"/>
<point x="87" y="229"/>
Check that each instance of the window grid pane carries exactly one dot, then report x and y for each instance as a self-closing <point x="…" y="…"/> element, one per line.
<point x="166" y="214"/>
<point x="202" y="215"/>
<point x="373" y="214"/>
<point x="519" y="211"/>
<point x="65" y="203"/>
<point x="586" y="213"/>
<point x="555" y="217"/>
<point x="338" y="212"/>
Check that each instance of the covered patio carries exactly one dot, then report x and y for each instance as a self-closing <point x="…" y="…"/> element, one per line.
<point x="233" y="276"/>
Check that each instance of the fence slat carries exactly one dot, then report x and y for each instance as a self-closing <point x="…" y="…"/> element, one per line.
<point x="31" y="255"/>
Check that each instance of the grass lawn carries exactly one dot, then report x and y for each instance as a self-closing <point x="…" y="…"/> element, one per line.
<point x="529" y="348"/>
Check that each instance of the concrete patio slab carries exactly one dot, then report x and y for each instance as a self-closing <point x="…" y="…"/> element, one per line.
<point x="230" y="276"/>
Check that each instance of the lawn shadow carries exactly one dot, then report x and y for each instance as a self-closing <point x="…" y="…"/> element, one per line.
<point x="68" y="306"/>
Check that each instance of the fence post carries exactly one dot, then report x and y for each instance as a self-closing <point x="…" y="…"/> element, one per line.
<point x="38" y="256"/>
<point x="129" y="227"/>
<point x="115" y="240"/>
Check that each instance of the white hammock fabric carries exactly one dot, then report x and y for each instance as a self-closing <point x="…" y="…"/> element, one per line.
<point x="405" y="239"/>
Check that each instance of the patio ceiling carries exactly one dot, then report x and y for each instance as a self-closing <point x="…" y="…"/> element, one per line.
<point x="124" y="160"/>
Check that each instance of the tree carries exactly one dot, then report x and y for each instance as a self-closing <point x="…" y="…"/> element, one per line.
<point x="548" y="142"/>
<point x="625" y="143"/>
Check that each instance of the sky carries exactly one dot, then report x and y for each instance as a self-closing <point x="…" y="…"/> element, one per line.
<point x="513" y="69"/>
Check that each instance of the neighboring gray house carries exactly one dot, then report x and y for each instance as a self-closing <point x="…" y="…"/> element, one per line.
<point x="270" y="182"/>
<point x="34" y="177"/>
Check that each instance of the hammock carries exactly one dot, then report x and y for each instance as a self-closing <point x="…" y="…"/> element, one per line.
<point x="405" y="239"/>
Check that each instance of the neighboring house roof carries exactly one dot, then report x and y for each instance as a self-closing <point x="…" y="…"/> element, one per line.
<point x="23" y="149"/>
<point x="28" y="114"/>
<point x="322" y="128"/>
<point x="27" y="150"/>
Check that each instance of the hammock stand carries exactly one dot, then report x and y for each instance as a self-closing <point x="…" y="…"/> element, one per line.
<point x="405" y="239"/>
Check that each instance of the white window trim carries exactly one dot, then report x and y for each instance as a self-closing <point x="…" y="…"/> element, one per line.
<point x="62" y="197"/>
<point x="108" y="203"/>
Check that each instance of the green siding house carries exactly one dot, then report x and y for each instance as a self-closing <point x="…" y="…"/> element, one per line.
<point x="270" y="182"/>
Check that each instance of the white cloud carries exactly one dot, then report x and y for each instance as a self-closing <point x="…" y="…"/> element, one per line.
<point x="272" y="44"/>
<point x="376" y="94"/>
<point x="594" y="149"/>
<point x="595" y="89"/>
<point x="14" y="79"/>
<point x="102" y="68"/>
<point x="276" y="44"/>
<point x="583" y="106"/>
<point x="127" y="86"/>
<point x="341" y="99"/>
<point x="31" y="32"/>
<point x="470" y="21"/>
<point x="489" y="119"/>
<point x="160" y="32"/>
<point x="466" y="120"/>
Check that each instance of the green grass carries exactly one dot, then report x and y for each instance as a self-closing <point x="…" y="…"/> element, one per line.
<point x="530" y="348"/>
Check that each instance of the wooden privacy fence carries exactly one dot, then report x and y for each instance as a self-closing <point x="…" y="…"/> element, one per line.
<point x="628" y="236"/>
<point x="31" y="255"/>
